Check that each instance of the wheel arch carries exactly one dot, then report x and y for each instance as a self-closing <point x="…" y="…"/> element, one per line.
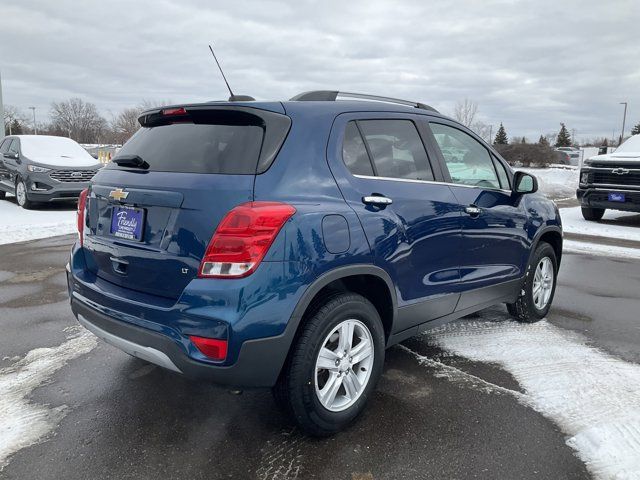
<point x="551" y="235"/>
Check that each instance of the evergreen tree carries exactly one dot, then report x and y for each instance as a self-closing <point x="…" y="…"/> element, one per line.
<point x="605" y="143"/>
<point x="543" y="141"/>
<point x="501" y="136"/>
<point x="636" y="130"/>
<point x="524" y="140"/>
<point x="564" y="138"/>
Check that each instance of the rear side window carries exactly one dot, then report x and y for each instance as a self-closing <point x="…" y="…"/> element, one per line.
<point x="396" y="149"/>
<point x="354" y="153"/>
<point x="4" y="146"/>
<point x="197" y="148"/>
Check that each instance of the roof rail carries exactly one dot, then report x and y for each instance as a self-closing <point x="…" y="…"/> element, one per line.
<point x="332" y="95"/>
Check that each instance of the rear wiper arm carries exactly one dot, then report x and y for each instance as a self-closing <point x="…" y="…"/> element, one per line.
<point x="133" y="161"/>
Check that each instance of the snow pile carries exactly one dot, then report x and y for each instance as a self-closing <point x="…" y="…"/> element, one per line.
<point x="593" y="396"/>
<point x="18" y="224"/>
<point x="616" y="225"/>
<point x="23" y="423"/>
<point x="558" y="182"/>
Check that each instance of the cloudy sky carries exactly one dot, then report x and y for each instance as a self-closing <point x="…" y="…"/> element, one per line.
<point x="529" y="64"/>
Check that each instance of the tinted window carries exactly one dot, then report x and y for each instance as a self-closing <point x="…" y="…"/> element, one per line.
<point x="5" y="145"/>
<point x="197" y="148"/>
<point x="502" y="174"/>
<point x="396" y="149"/>
<point x="467" y="160"/>
<point x="354" y="153"/>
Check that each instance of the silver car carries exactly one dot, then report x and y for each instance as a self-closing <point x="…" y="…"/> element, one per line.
<point x="42" y="168"/>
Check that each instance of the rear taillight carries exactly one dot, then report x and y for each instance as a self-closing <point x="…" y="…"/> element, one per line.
<point x="243" y="238"/>
<point x="82" y="204"/>
<point x="211" y="347"/>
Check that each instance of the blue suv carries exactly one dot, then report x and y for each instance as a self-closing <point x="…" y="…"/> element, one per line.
<point x="288" y="244"/>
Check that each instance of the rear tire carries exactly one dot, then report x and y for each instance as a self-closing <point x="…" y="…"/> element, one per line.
<point x="324" y="394"/>
<point x="592" y="214"/>
<point x="536" y="294"/>
<point x="3" y="194"/>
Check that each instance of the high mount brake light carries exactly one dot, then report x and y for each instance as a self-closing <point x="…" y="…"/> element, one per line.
<point x="174" y="111"/>
<point x="80" y="216"/>
<point x="243" y="238"/>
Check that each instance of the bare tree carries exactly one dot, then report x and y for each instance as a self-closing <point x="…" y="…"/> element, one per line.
<point x="14" y="119"/>
<point x="125" y="124"/>
<point x="79" y="119"/>
<point x="482" y="130"/>
<point x="465" y="112"/>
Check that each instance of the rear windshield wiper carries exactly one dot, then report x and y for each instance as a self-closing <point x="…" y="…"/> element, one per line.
<point x="132" y="161"/>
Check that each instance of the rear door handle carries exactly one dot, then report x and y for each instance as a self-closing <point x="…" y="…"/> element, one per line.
<point x="472" y="210"/>
<point x="377" y="200"/>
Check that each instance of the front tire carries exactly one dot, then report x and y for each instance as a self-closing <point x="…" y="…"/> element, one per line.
<point x="592" y="214"/>
<point x="334" y="366"/>
<point x="21" y="195"/>
<point x="536" y="295"/>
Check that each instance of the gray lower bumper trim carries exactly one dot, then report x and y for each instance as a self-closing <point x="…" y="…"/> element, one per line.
<point x="145" y="353"/>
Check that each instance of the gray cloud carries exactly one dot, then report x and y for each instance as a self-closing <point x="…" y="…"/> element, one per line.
<point x="529" y="65"/>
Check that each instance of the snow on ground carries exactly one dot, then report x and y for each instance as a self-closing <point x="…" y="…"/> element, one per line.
<point x="593" y="396"/>
<point x="18" y="224"/>
<point x="590" y="248"/>
<point x="23" y="423"/>
<point x="614" y="224"/>
<point x="556" y="182"/>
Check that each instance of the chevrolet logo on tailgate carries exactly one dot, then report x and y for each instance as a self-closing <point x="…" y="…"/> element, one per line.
<point x="118" y="194"/>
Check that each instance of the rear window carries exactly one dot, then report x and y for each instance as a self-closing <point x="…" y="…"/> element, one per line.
<point x="197" y="148"/>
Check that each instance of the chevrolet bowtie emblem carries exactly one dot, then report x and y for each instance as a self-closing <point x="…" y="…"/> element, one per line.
<point x="118" y="194"/>
<point x="620" y="171"/>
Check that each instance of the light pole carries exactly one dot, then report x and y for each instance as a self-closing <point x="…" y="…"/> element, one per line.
<point x="1" y="112"/>
<point x="35" y="128"/>
<point x="624" y="119"/>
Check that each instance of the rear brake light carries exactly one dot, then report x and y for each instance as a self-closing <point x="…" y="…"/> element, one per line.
<point x="211" y="347"/>
<point x="82" y="204"/>
<point x="174" y="111"/>
<point x="243" y="238"/>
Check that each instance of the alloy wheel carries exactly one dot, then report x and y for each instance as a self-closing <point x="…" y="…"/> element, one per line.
<point x="543" y="283"/>
<point x="343" y="366"/>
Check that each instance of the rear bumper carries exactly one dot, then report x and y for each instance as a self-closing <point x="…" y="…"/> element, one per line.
<point x="251" y="369"/>
<point x="598" y="198"/>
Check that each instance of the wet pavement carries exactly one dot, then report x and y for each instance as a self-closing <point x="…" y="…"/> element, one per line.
<point x="127" y="419"/>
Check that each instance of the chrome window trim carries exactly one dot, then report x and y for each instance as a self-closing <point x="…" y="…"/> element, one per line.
<point x="409" y="180"/>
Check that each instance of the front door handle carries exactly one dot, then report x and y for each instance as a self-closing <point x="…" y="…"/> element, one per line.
<point x="379" y="200"/>
<point x="472" y="210"/>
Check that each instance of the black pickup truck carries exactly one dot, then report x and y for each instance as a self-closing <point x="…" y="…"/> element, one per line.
<point x="611" y="181"/>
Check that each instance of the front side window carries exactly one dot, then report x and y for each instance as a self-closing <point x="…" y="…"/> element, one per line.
<point x="467" y="160"/>
<point x="14" y="147"/>
<point x="4" y="146"/>
<point x="502" y="174"/>
<point x="396" y="149"/>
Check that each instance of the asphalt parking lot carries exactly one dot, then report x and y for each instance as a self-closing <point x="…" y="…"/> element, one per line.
<point x="102" y="414"/>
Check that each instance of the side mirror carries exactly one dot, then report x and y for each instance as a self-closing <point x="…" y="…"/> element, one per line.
<point x="524" y="183"/>
<point x="12" y="156"/>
